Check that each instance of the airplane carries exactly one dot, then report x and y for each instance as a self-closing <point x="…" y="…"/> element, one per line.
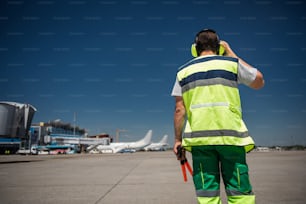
<point x="159" y="146"/>
<point x="103" y="145"/>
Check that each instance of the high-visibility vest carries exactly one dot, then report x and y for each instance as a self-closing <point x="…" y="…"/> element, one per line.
<point x="212" y="101"/>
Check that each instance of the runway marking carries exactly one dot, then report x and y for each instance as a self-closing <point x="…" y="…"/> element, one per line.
<point x="116" y="184"/>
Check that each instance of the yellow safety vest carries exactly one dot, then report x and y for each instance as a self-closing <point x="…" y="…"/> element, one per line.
<point x="212" y="101"/>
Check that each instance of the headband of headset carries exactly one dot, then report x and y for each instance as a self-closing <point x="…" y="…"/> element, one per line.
<point x="206" y="30"/>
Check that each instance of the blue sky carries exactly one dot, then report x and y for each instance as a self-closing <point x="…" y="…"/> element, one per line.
<point x="113" y="63"/>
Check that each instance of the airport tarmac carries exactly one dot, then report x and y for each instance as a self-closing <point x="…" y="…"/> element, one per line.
<point x="138" y="178"/>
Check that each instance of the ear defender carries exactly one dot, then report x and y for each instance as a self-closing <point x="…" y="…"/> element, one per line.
<point x="194" y="52"/>
<point x="221" y="50"/>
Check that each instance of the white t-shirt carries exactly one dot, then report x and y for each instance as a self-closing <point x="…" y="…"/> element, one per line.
<point x="246" y="75"/>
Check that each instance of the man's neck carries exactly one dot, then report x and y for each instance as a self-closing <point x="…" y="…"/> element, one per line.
<point x="207" y="52"/>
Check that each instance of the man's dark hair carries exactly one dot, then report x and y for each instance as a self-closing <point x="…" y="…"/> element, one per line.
<point x="207" y="40"/>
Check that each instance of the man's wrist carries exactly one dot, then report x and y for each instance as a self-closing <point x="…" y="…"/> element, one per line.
<point x="178" y="139"/>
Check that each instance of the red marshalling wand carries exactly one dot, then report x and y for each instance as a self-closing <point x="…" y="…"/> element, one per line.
<point x="184" y="163"/>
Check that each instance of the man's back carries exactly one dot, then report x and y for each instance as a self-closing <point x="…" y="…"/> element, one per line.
<point x="208" y="121"/>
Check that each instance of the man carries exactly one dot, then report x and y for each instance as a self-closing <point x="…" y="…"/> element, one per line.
<point x="208" y="119"/>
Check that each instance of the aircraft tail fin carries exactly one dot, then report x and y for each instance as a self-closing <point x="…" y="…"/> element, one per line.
<point x="164" y="139"/>
<point x="148" y="137"/>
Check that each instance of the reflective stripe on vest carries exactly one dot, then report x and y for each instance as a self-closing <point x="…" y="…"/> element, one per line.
<point x="211" y="97"/>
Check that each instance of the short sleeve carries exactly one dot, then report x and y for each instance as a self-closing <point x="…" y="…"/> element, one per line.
<point x="246" y="75"/>
<point x="177" y="90"/>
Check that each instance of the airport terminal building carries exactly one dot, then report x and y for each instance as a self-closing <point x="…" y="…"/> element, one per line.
<point x="17" y="131"/>
<point x="15" y="122"/>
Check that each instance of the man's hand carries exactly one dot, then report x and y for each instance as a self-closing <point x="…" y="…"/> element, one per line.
<point x="181" y="154"/>
<point x="228" y="51"/>
<point x="176" y="144"/>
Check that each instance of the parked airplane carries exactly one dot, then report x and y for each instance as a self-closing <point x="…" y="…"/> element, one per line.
<point x="159" y="146"/>
<point x="102" y="145"/>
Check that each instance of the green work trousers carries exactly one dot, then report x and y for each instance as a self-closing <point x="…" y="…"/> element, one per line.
<point x="209" y="161"/>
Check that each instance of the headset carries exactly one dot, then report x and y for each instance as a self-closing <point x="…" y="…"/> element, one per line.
<point x="220" y="48"/>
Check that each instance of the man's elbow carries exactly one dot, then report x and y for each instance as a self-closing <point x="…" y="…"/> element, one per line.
<point x="259" y="82"/>
<point x="179" y="111"/>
